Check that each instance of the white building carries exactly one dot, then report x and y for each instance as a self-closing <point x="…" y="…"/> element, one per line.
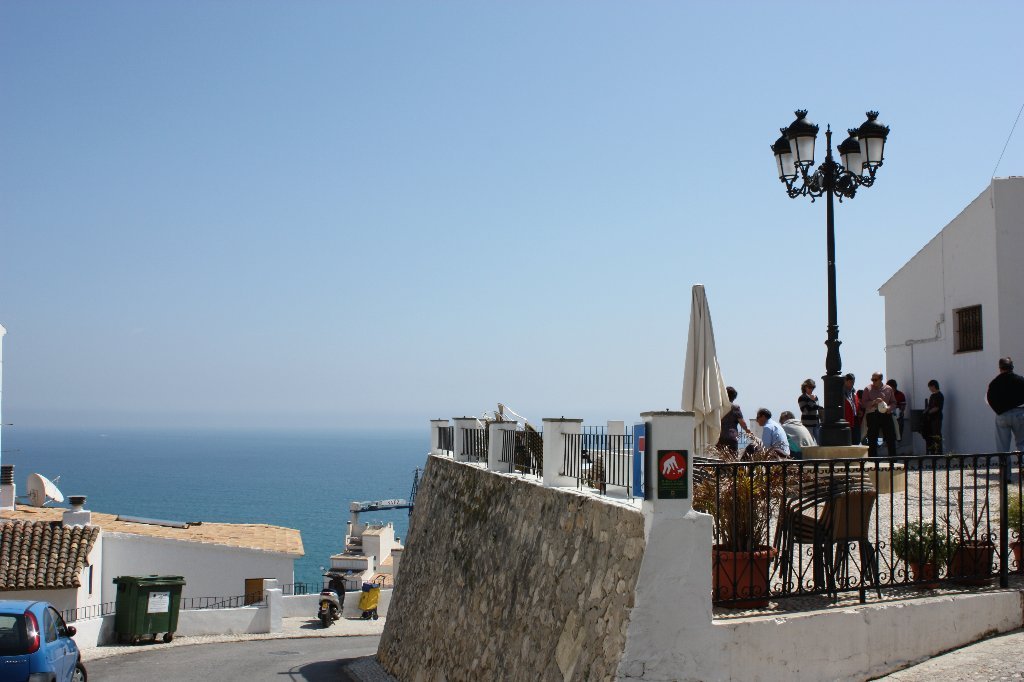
<point x="955" y="308"/>
<point x="216" y="559"/>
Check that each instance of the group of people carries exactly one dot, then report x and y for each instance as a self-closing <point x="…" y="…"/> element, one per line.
<point x="877" y="411"/>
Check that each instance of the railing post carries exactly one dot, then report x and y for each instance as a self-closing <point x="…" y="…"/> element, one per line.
<point x="1004" y="518"/>
<point x="435" y="435"/>
<point x="461" y="424"/>
<point x="668" y="431"/>
<point x="554" y="450"/>
<point x="495" y="440"/>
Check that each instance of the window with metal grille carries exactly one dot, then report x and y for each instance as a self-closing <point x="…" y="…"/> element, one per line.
<point x="967" y="333"/>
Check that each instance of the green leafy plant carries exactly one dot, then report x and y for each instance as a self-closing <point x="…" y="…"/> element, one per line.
<point x="919" y="542"/>
<point x="1014" y="513"/>
<point x="741" y="499"/>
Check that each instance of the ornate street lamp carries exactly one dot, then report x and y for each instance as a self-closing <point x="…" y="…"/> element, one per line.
<point x="862" y="156"/>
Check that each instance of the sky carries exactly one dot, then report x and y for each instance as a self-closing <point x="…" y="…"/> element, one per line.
<point x="366" y="215"/>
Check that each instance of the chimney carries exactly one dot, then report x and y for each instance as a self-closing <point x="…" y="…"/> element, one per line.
<point x="7" y="487"/>
<point x="77" y="515"/>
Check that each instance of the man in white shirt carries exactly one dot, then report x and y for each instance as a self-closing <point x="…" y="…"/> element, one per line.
<point x="773" y="436"/>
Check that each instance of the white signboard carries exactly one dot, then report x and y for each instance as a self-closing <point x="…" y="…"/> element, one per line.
<point x="159" y="602"/>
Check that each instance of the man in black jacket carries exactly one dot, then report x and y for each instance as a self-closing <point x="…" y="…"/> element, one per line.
<point x="1006" y="398"/>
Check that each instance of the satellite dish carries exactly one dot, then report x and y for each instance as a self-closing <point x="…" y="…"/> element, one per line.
<point x="42" y="490"/>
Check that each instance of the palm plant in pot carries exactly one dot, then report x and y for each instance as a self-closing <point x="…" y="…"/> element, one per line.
<point x="924" y="547"/>
<point x="742" y="501"/>
<point x="971" y="560"/>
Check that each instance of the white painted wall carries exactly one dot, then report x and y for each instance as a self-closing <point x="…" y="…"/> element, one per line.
<point x="209" y="570"/>
<point x="970" y="262"/>
<point x="1008" y="204"/>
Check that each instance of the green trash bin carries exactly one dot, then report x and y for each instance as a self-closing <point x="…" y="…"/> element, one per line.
<point x="146" y="606"/>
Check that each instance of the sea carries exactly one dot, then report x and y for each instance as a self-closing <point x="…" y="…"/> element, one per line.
<point x="297" y="479"/>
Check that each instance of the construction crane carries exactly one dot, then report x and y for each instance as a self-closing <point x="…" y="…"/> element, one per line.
<point x="355" y="529"/>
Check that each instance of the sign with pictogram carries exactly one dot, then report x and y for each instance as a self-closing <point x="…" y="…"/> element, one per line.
<point x="672" y="478"/>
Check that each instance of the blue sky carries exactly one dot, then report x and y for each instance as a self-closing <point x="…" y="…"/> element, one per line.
<point x="334" y="215"/>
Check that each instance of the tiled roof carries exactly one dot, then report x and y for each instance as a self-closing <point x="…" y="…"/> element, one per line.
<point x="37" y="555"/>
<point x="258" y="536"/>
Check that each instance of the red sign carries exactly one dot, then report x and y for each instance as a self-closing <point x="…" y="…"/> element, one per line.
<point x="672" y="465"/>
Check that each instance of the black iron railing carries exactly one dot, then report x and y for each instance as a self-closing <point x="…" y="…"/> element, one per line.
<point x="474" y="444"/>
<point x="296" y="589"/>
<point x="825" y="527"/>
<point x="522" y="451"/>
<point x="86" y="612"/>
<point x="597" y="459"/>
<point x="446" y="439"/>
<point x="234" y="602"/>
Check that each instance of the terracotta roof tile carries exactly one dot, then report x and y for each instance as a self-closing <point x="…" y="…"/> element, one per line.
<point x="38" y="555"/>
<point x="258" y="536"/>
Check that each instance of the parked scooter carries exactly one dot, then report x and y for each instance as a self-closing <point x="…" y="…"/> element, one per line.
<point x="330" y="607"/>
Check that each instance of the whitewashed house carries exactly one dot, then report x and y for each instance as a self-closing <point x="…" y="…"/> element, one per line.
<point x="955" y="308"/>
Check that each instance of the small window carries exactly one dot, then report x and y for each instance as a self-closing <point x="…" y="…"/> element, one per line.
<point x="967" y="330"/>
<point x="50" y="625"/>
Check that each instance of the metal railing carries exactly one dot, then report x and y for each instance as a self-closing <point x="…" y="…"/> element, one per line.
<point x="597" y="459"/>
<point x="474" y="444"/>
<point x="234" y="602"/>
<point x="522" y="452"/>
<point x="85" y="612"/>
<point x="825" y="527"/>
<point x="446" y="439"/>
<point x="296" y="589"/>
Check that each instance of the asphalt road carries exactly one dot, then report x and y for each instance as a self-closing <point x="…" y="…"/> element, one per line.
<point x="282" y="660"/>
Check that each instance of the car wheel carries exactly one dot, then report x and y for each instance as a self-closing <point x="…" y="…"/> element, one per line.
<point x="79" y="675"/>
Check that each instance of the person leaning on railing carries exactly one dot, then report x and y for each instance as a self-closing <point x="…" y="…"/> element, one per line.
<point x="731" y="422"/>
<point x="1006" y="398"/>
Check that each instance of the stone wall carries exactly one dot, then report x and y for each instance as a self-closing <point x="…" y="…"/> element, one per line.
<point x="505" y="579"/>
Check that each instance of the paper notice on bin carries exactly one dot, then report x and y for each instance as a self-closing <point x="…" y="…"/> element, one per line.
<point x="159" y="602"/>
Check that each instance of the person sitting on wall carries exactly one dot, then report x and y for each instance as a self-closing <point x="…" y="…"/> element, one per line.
<point x="797" y="434"/>
<point x="774" y="437"/>
<point x="877" y="399"/>
<point x="1006" y="398"/>
<point x="731" y="421"/>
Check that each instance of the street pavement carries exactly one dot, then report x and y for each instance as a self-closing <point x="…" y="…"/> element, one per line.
<point x="996" y="658"/>
<point x="304" y="652"/>
<point x="313" y="659"/>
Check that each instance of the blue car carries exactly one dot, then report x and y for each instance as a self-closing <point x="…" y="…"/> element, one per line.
<point x="36" y="645"/>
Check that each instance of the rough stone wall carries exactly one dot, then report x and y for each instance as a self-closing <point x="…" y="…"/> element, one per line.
<point x="506" y="580"/>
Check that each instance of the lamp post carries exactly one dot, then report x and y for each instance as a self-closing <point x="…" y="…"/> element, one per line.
<point x="861" y="155"/>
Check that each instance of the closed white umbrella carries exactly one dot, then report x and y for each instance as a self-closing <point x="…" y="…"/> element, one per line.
<point x="703" y="386"/>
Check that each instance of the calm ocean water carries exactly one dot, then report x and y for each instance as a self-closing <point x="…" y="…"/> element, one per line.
<point x="298" y="479"/>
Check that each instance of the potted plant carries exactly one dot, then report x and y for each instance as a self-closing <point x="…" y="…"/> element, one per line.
<point x="741" y="501"/>
<point x="924" y="547"/>
<point x="971" y="561"/>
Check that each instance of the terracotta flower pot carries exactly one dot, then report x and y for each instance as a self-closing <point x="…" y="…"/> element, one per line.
<point x="971" y="563"/>
<point x="926" y="574"/>
<point x="742" y="576"/>
<point x="1016" y="547"/>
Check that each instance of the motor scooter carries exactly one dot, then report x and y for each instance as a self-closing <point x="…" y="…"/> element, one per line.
<point x="330" y="607"/>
